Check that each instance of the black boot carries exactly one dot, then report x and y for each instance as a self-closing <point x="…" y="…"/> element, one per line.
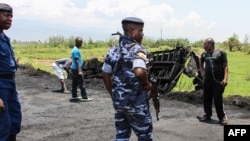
<point x="12" y="138"/>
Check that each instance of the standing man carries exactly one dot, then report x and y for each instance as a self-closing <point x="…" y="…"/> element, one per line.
<point x="215" y="75"/>
<point x="10" y="108"/>
<point x="59" y="66"/>
<point x="77" y="74"/>
<point x="125" y="78"/>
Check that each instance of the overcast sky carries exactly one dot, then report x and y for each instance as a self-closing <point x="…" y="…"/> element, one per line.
<point x="97" y="19"/>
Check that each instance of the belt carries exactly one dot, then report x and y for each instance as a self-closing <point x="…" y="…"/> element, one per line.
<point x="7" y="76"/>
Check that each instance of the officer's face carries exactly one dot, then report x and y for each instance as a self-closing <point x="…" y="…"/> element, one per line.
<point x="5" y="19"/>
<point x="137" y="33"/>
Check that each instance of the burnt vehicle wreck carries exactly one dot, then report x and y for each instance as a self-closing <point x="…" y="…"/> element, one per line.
<point x="164" y="66"/>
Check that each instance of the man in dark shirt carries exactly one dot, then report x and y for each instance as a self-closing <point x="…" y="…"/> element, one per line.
<point x="215" y="75"/>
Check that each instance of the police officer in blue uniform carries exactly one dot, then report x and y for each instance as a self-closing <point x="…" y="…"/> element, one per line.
<point x="10" y="108"/>
<point x="125" y="78"/>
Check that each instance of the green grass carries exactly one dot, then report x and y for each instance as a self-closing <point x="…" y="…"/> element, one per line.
<point x="239" y="70"/>
<point x="238" y="76"/>
<point x="31" y="55"/>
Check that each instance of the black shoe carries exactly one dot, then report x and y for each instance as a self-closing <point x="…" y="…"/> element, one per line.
<point x="204" y="118"/>
<point x="12" y="138"/>
<point x="75" y="98"/>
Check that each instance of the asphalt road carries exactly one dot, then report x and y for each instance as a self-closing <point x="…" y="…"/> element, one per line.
<point x="50" y="116"/>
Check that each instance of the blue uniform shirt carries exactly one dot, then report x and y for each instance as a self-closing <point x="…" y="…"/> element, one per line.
<point x="126" y="91"/>
<point x="7" y="58"/>
<point x="75" y="54"/>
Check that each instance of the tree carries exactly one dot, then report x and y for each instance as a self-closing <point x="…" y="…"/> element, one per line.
<point x="233" y="42"/>
<point x="55" y="41"/>
<point x="70" y="42"/>
<point x="198" y="44"/>
<point x="246" y="39"/>
<point x="246" y="46"/>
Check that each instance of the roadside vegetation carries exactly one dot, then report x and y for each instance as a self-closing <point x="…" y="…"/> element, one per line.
<point x="41" y="55"/>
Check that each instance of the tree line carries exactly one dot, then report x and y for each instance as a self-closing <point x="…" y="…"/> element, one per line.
<point x="231" y="44"/>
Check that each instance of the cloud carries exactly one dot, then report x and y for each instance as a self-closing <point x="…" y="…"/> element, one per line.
<point x="90" y="12"/>
<point x="107" y="14"/>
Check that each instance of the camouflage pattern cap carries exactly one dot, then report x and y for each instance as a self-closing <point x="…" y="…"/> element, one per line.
<point x="5" y="7"/>
<point x="134" y="20"/>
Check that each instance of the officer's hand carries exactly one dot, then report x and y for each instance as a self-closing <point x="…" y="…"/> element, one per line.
<point x="2" y="109"/>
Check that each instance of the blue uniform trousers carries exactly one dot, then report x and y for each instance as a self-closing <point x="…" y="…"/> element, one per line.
<point x="137" y="119"/>
<point x="10" y="119"/>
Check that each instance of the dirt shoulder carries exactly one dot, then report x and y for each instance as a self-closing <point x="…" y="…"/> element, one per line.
<point x="49" y="116"/>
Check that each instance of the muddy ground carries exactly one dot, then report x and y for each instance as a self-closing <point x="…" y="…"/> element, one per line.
<point x="48" y="115"/>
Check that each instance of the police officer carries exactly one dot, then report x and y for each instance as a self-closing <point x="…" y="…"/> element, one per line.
<point x="125" y="78"/>
<point x="10" y="109"/>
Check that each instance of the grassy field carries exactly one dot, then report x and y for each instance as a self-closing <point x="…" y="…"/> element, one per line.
<point x="238" y="77"/>
<point x="43" y="57"/>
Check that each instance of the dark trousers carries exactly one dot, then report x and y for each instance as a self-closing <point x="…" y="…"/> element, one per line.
<point x="10" y="120"/>
<point x="213" y="91"/>
<point x="78" y="80"/>
<point x="12" y="138"/>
